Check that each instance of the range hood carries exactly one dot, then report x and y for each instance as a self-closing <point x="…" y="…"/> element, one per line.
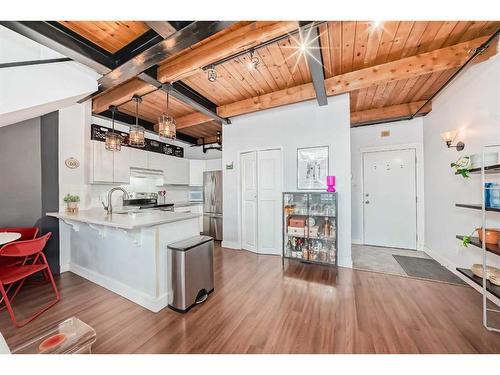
<point x="146" y="173"/>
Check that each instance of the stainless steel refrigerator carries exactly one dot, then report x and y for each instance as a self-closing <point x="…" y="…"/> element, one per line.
<point x="212" y="204"/>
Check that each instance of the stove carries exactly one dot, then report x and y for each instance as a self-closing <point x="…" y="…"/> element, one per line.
<point x="146" y="200"/>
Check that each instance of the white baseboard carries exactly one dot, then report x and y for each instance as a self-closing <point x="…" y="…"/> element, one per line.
<point x="356" y="241"/>
<point x="64" y="268"/>
<point x="231" y="245"/>
<point x="154" y="304"/>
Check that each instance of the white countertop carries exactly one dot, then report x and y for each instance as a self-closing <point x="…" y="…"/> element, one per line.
<point x="186" y="203"/>
<point x="144" y="218"/>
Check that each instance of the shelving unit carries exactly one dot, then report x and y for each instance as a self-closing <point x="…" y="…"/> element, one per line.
<point x="490" y="169"/>
<point x="477" y="207"/>
<point x="487" y="288"/>
<point x="310" y="228"/>
<point x="495" y="249"/>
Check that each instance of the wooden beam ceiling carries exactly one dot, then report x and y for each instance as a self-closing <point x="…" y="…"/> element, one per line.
<point x="389" y="113"/>
<point x="409" y="67"/>
<point x="239" y="40"/>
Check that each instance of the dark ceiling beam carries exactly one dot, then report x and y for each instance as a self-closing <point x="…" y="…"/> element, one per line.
<point x="310" y="36"/>
<point x="180" y="40"/>
<point x="34" y="62"/>
<point x="187" y="96"/>
<point x="162" y="28"/>
<point x="64" y="43"/>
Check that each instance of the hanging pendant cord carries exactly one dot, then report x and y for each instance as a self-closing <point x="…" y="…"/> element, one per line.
<point x="136" y="112"/>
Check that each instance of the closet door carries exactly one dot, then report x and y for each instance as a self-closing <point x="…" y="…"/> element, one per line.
<point x="249" y="201"/>
<point x="269" y="177"/>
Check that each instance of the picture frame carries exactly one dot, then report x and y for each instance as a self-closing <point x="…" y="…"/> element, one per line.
<point x="312" y="167"/>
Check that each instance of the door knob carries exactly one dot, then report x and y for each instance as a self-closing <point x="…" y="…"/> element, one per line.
<point x="367" y="202"/>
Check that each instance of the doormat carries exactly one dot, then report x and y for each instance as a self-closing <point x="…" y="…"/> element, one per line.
<point x="425" y="268"/>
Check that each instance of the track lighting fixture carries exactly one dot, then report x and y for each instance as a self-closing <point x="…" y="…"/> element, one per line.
<point x="211" y="73"/>
<point x="254" y="60"/>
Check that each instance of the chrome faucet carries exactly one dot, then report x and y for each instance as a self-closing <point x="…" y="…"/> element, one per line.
<point x="109" y="207"/>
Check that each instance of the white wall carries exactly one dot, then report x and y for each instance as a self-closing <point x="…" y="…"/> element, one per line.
<point x="471" y="104"/>
<point x="290" y="127"/>
<point x="30" y="91"/>
<point x="366" y="137"/>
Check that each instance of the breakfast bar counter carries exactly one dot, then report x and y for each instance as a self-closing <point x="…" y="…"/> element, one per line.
<point x="125" y="252"/>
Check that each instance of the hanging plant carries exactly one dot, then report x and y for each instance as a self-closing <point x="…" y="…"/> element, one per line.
<point x="462" y="166"/>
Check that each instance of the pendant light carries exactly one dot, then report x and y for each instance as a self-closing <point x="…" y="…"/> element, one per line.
<point x="166" y="123"/>
<point x="136" y="134"/>
<point x="113" y="140"/>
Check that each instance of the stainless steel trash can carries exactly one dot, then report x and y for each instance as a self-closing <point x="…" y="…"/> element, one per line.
<point x="191" y="272"/>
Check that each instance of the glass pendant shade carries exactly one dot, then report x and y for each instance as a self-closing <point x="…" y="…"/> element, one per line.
<point x="136" y="136"/>
<point x="113" y="141"/>
<point x="166" y="126"/>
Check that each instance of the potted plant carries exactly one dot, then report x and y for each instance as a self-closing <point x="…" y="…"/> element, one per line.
<point x="462" y="166"/>
<point x="492" y="236"/>
<point x="72" y="202"/>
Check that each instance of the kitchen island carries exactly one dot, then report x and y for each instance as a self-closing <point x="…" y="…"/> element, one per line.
<point x="125" y="252"/>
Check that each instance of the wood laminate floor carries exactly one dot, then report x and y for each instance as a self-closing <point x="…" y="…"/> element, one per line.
<point x="258" y="308"/>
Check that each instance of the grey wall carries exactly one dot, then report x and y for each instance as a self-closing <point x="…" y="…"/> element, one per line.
<point x="20" y="174"/>
<point x="29" y="182"/>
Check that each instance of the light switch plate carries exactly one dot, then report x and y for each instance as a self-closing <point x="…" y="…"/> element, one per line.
<point x="385" y="133"/>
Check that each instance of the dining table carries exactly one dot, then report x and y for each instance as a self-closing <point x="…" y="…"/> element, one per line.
<point x="6" y="237"/>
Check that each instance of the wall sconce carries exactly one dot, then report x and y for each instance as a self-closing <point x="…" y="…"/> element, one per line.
<point x="449" y="137"/>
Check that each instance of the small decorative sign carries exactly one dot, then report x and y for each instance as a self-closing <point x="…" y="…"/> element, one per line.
<point x="72" y="163"/>
<point x="230" y="165"/>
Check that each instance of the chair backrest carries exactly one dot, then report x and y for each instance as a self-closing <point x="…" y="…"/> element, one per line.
<point x="25" y="248"/>
<point x="27" y="233"/>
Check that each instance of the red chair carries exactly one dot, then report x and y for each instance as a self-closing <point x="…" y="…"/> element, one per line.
<point x="27" y="233"/>
<point x="19" y="272"/>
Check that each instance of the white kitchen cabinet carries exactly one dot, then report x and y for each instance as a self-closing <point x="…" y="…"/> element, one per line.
<point x="138" y="158"/>
<point x="109" y="166"/>
<point x="157" y="161"/>
<point x="121" y="165"/>
<point x="176" y="171"/>
<point x="213" y="165"/>
<point x="102" y="163"/>
<point x="196" y="169"/>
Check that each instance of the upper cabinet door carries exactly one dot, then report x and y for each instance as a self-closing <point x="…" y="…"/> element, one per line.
<point x="196" y="169"/>
<point x="157" y="161"/>
<point x="121" y="171"/>
<point x="176" y="171"/>
<point x="102" y="161"/>
<point x="138" y="158"/>
<point x="214" y="165"/>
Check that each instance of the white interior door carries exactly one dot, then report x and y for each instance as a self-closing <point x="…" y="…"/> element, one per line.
<point x="269" y="181"/>
<point x="249" y="201"/>
<point x="389" y="198"/>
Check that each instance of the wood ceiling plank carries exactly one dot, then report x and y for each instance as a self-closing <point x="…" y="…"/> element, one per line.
<point x="279" y="61"/>
<point x="388" y="113"/>
<point x="249" y="85"/>
<point x="300" y="60"/>
<point x="400" y="86"/>
<point x="92" y="33"/>
<point x="473" y="31"/>
<point x="120" y="94"/>
<point x="399" y="42"/>
<point x="290" y="56"/>
<point x="390" y="29"/>
<point x="348" y="41"/>
<point x="378" y="99"/>
<point x="441" y="36"/>
<point x="410" y="67"/>
<point x="428" y="36"/>
<point x="370" y="93"/>
<point x="266" y="74"/>
<point x="336" y="45"/>
<point x="274" y="70"/>
<point x="192" y="119"/>
<point x="353" y="99"/>
<point x="374" y="39"/>
<point x="229" y="44"/>
<point x="326" y="55"/>
<point x="411" y="45"/>
<point x="360" y="44"/>
<point x="418" y="95"/>
<point x="231" y="83"/>
<point x="256" y="74"/>
<point x="361" y="100"/>
<point x="202" y="85"/>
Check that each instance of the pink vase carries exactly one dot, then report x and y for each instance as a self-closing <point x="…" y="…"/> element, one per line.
<point x="330" y="183"/>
